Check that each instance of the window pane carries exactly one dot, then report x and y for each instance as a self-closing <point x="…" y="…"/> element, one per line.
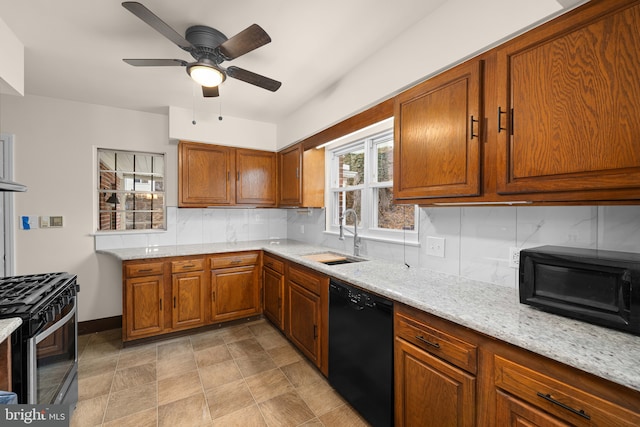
<point x="394" y="217"/>
<point x="385" y="161"/>
<point x="351" y="168"/>
<point x="349" y="200"/>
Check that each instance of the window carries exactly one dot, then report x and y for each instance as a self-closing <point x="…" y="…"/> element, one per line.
<point x="361" y="178"/>
<point x="130" y="191"/>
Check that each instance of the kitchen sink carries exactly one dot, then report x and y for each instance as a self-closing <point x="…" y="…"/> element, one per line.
<point x="331" y="258"/>
<point x="342" y="261"/>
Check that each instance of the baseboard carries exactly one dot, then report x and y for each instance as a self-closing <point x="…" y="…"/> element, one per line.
<point x="99" y="325"/>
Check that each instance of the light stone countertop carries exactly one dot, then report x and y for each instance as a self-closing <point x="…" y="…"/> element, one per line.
<point x="7" y="326"/>
<point x="487" y="308"/>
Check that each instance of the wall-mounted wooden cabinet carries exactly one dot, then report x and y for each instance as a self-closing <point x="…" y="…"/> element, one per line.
<point x="301" y="177"/>
<point x="558" y="118"/>
<point x="212" y="175"/>
<point x="438" y="136"/>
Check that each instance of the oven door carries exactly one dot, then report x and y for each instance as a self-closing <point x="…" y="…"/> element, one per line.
<point x="53" y="360"/>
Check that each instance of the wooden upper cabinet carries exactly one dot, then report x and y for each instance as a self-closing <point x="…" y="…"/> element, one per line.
<point x="205" y="173"/>
<point x="256" y="177"/>
<point x="437" y="136"/>
<point x="213" y="175"/>
<point x="570" y="96"/>
<point x="290" y="170"/>
<point x="301" y="177"/>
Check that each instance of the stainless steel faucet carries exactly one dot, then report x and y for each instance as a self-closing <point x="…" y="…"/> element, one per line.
<point x="356" y="238"/>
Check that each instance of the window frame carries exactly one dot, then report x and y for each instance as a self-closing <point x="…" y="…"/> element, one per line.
<point x="135" y="176"/>
<point x="369" y="187"/>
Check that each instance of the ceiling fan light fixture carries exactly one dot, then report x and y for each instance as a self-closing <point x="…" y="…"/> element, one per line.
<point x="205" y="74"/>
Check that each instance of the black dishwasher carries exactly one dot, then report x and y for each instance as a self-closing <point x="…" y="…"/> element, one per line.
<point x="361" y="351"/>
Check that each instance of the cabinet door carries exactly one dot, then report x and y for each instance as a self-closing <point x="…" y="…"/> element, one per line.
<point x="205" y="173"/>
<point x="571" y="102"/>
<point x="145" y="311"/>
<point x="512" y="412"/>
<point x="235" y="293"/>
<point x="188" y="294"/>
<point x="273" y="289"/>
<point x="290" y="176"/>
<point x="303" y="320"/>
<point x="430" y="392"/>
<point x="437" y="136"/>
<point x="256" y="177"/>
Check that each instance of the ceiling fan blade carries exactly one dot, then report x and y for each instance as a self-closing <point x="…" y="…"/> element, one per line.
<point x="155" y="62"/>
<point x="210" y="92"/>
<point x="253" y="78"/>
<point x="157" y="24"/>
<point x="245" y="41"/>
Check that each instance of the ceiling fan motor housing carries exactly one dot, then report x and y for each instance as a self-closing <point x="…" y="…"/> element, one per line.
<point x="206" y="40"/>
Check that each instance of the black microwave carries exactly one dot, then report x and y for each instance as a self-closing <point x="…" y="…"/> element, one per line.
<point x="599" y="287"/>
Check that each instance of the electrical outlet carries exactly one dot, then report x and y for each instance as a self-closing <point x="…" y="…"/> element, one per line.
<point x="514" y="257"/>
<point x="301" y="228"/>
<point x="435" y="246"/>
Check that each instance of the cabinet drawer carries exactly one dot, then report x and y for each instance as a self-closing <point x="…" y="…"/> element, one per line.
<point x="137" y="270"/>
<point x="274" y="264"/>
<point x="305" y="279"/>
<point x="571" y="404"/>
<point x="438" y="343"/>
<point x="235" y="260"/>
<point x="186" y="265"/>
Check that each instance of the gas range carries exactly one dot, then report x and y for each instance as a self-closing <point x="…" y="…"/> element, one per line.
<point x="45" y="345"/>
<point x="36" y="298"/>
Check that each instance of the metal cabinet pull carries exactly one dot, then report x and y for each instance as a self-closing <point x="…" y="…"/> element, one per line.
<point x="297" y="173"/>
<point x="174" y="302"/>
<point x="228" y="176"/>
<point x="563" y="406"/>
<point x="160" y="304"/>
<point x="238" y="178"/>
<point x="145" y="270"/>
<point x="188" y="266"/>
<point x="473" y="135"/>
<point x="213" y="295"/>
<point x="315" y="331"/>
<point x="422" y="339"/>
<point x="500" y="113"/>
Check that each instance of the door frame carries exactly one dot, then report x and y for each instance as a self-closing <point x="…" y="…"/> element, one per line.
<point x="7" y="196"/>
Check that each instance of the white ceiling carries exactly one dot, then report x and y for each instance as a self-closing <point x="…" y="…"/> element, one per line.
<point x="74" y="49"/>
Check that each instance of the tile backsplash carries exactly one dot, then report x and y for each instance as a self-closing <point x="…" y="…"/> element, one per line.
<point x="477" y="239"/>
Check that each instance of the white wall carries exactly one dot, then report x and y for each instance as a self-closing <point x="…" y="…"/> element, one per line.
<point x="53" y="150"/>
<point x="458" y="29"/>
<point x="232" y="131"/>
<point x="11" y="62"/>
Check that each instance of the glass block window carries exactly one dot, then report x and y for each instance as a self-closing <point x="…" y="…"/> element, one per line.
<point x="131" y="194"/>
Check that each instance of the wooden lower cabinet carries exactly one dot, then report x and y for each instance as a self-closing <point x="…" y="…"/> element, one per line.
<point x="513" y="412"/>
<point x="170" y="294"/>
<point x="307" y="313"/>
<point x="273" y="290"/>
<point x="144" y="308"/>
<point x="432" y="387"/>
<point x="235" y="286"/>
<point x="188" y="305"/>
<point x="449" y="375"/>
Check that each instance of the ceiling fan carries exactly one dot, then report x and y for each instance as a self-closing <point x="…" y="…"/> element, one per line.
<point x="210" y="48"/>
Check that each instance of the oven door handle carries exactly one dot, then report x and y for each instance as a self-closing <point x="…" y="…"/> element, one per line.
<point x="40" y="337"/>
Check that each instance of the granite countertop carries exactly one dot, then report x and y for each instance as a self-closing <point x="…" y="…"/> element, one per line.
<point x="7" y="326"/>
<point x="487" y="308"/>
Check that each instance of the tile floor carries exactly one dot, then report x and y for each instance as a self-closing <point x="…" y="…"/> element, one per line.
<point x="246" y="375"/>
